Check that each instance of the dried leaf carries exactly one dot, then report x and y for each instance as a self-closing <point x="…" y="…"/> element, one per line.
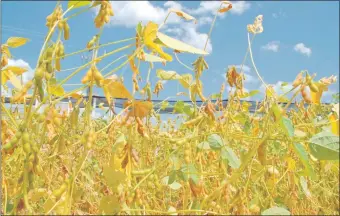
<point x="117" y="89"/>
<point x="141" y="108"/>
<point x="183" y="15"/>
<point x="167" y="75"/>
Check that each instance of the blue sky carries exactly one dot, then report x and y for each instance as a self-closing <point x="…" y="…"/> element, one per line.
<point x="297" y="36"/>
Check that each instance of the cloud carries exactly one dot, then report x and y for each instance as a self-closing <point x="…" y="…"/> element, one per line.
<point x="278" y="15"/>
<point x="28" y="75"/>
<point x="193" y="37"/>
<point x="272" y="46"/>
<point x="204" y="20"/>
<point x="301" y="48"/>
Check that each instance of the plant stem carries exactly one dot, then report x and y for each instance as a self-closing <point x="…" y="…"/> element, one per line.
<point x="211" y="28"/>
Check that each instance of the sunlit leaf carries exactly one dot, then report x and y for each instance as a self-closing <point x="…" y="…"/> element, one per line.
<point x="57" y="90"/>
<point x="185" y="80"/>
<point x="179" y="45"/>
<point x="16" y="70"/>
<point x="150" y="58"/>
<point x="14" y="42"/>
<point x="172" y="209"/>
<point x="276" y="211"/>
<point x="6" y="75"/>
<point x="149" y="36"/>
<point x="325" y="146"/>
<point x="77" y="4"/>
<point x="167" y="75"/>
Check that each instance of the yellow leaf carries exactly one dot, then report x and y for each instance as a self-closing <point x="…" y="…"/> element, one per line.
<point x="117" y="89"/>
<point x="141" y="108"/>
<point x="291" y="164"/>
<point x="149" y="36"/>
<point x="316" y="96"/>
<point x="76" y="95"/>
<point x="57" y="90"/>
<point x="16" y="70"/>
<point x="167" y="75"/>
<point x="6" y="75"/>
<point x="14" y="42"/>
<point x="186" y="80"/>
<point x="179" y="45"/>
<point x="77" y="4"/>
<point x="334" y="124"/>
<point x="133" y="66"/>
<point x="182" y="14"/>
<point x="150" y="58"/>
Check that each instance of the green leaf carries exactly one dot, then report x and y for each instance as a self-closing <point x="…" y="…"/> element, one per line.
<point x="276" y="211"/>
<point x="304" y="186"/>
<point x="287" y="126"/>
<point x="301" y="152"/>
<point x="167" y="75"/>
<point x="179" y="106"/>
<point x="172" y="177"/>
<point x="216" y="96"/>
<point x="179" y="45"/>
<point x="203" y="145"/>
<point x="188" y="110"/>
<point x="228" y="155"/>
<point x="188" y="171"/>
<point x="247" y="127"/>
<point x="174" y="185"/>
<point x="215" y="142"/>
<point x="164" y="105"/>
<point x="250" y="94"/>
<point x="324" y="146"/>
<point x="284" y="84"/>
<point x="77" y="4"/>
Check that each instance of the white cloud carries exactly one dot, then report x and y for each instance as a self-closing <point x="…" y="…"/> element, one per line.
<point x="204" y="20"/>
<point x="193" y="37"/>
<point x="239" y="7"/>
<point x="6" y="93"/>
<point x="129" y="14"/>
<point x="278" y="15"/>
<point x="301" y="48"/>
<point x="173" y="4"/>
<point x="272" y="46"/>
<point x="28" y="75"/>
